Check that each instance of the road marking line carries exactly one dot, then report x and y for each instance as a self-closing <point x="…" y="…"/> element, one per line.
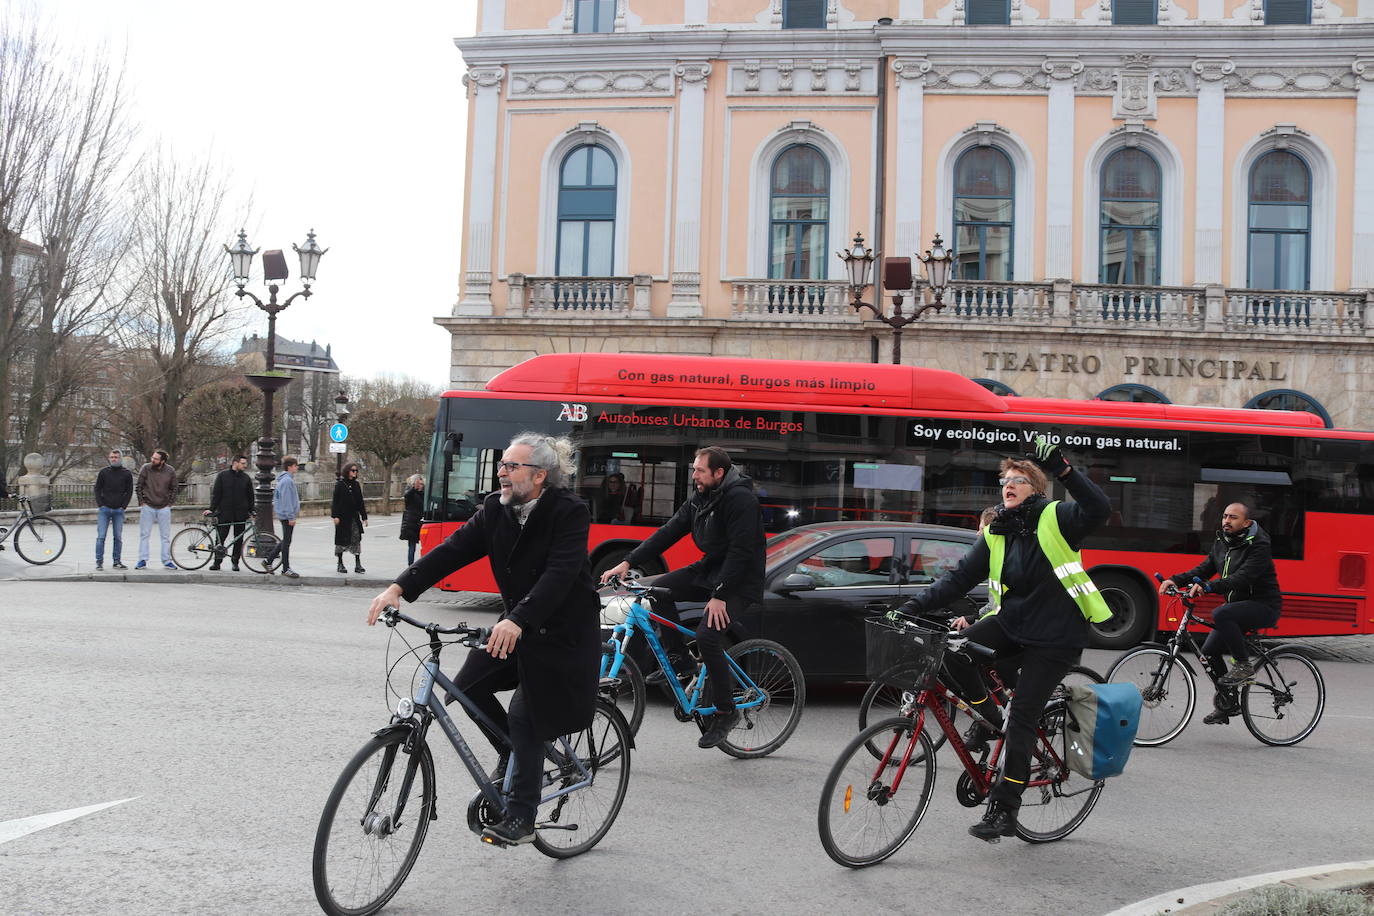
<point x="13" y="830"/>
<point x="1202" y="893"/>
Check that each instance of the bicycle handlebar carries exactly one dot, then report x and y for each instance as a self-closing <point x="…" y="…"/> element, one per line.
<point x="392" y="615"/>
<point x="634" y="587"/>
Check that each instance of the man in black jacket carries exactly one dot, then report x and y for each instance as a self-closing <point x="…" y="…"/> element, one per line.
<point x="725" y="523"/>
<point x="1242" y="559"/>
<point x="231" y="499"/>
<point x="114" y="487"/>
<point x="547" y="644"/>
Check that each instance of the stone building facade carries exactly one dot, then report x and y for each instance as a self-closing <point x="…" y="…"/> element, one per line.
<point x="1167" y="199"/>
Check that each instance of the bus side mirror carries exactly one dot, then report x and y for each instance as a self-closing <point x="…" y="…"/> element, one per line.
<point x="451" y="444"/>
<point x="795" y="582"/>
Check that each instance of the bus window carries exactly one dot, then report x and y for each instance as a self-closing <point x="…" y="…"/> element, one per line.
<point x="471" y="478"/>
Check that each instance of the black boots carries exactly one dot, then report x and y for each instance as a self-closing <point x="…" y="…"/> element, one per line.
<point x="978" y="735"/>
<point x="358" y="565"/>
<point x="999" y="821"/>
<point x="341" y="568"/>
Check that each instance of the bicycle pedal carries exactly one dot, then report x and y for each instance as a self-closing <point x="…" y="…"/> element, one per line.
<point x="492" y="841"/>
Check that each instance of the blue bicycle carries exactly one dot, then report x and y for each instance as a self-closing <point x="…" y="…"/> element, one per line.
<point x="770" y="691"/>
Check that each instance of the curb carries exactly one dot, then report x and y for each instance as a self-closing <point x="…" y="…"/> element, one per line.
<point x="250" y="579"/>
<point x="1201" y="899"/>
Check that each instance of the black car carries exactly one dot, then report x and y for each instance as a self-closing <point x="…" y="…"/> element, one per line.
<point x="823" y="580"/>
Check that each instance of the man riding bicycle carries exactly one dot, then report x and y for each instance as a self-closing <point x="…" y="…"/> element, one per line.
<point x="726" y="525"/>
<point x="1242" y="561"/>
<point x="548" y="641"/>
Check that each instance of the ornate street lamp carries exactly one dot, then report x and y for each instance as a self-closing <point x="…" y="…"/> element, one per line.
<point x="340" y="411"/>
<point x="858" y="262"/>
<point x="270" y="380"/>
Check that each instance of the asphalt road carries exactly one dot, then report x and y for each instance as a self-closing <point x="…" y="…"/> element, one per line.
<point x="226" y="714"/>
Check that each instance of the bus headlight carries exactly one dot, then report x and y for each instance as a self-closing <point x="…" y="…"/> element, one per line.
<point x="614" y="610"/>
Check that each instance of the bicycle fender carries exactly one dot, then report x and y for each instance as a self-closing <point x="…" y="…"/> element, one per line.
<point x="394" y="728"/>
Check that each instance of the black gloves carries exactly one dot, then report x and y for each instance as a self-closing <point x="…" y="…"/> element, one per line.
<point x="1049" y="458"/>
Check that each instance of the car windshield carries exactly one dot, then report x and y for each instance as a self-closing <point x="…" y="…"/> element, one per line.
<point x="792" y="540"/>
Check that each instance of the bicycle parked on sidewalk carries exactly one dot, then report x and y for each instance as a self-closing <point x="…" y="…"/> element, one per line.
<point x="1281" y="703"/>
<point x="379" y="812"/>
<point x="770" y="691"/>
<point x="870" y="807"/>
<point x="198" y="544"/>
<point x="38" y="538"/>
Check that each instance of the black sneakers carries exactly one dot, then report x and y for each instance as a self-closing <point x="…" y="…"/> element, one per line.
<point x="721" y="724"/>
<point x="999" y="821"/>
<point x="513" y="831"/>
<point x="978" y="735"/>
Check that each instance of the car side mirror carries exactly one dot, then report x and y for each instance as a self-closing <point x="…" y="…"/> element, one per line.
<point x="795" y="582"/>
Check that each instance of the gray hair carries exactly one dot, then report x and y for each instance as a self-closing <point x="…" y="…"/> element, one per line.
<point x="553" y="456"/>
<point x="412" y="480"/>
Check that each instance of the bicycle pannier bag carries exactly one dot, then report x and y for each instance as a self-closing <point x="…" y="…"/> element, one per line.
<point x="1103" y="719"/>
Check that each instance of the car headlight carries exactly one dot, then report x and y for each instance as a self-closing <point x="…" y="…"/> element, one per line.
<point x="615" y="610"/>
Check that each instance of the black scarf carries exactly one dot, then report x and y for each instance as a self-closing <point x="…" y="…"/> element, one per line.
<point x="1020" y="519"/>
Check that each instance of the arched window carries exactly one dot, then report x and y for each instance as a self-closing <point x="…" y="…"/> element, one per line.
<point x="1139" y="394"/>
<point x="799" y="215"/>
<point x="1288" y="399"/>
<point x="1129" y="226"/>
<point x="1280" y="222"/>
<point x="586" y="213"/>
<point x="997" y="387"/>
<point x="594" y="16"/>
<point x="984" y="205"/>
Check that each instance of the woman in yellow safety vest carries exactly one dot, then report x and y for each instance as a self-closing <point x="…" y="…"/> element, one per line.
<point x="1045" y="602"/>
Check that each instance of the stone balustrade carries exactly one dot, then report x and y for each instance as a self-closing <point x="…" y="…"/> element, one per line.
<point x="571" y="297"/>
<point x="783" y="300"/>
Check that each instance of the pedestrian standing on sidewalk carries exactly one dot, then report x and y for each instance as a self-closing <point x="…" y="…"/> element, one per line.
<point x="412" y="514"/>
<point x="114" y="487"/>
<point x="231" y="502"/>
<point x="156" y="490"/>
<point x="286" y="503"/>
<point x="350" y="518"/>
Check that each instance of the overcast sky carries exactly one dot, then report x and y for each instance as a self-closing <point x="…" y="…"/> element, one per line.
<point x="339" y="115"/>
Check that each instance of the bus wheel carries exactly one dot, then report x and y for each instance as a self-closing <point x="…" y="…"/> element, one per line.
<point x="1132" y="612"/>
<point x="613" y="557"/>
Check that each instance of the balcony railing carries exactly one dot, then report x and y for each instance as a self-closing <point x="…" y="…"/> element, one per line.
<point x="780" y="300"/>
<point x="589" y="297"/>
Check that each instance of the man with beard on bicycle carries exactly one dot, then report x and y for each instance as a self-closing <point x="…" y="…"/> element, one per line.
<point x="726" y="524"/>
<point x="1029" y="554"/>
<point x="1242" y="561"/>
<point x="547" y="644"/>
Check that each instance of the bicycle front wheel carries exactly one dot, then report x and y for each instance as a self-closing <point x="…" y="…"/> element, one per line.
<point x="868" y="810"/>
<point x="39" y="540"/>
<point x="633" y="693"/>
<point x="1284" y="701"/>
<point x="1057" y="799"/>
<point x="571" y="823"/>
<point x="192" y="548"/>
<point x="373" y="826"/>
<point x="1168" y="691"/>
<point x="765" y="727"/>
<point x="260" y="551"/>
<point x="882" y="700"/>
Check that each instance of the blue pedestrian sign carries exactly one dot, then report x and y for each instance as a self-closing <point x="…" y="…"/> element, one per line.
<point x="338" y="432"/>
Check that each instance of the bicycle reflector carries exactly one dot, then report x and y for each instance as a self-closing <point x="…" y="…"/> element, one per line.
<point x="848" y="797"/>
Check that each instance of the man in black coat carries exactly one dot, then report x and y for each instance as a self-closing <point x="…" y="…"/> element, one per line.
<point x="114" y="487"/>
<point x="231" y="500"/>
<point x="1242" y="560"/>
<point x="547" y="644"/>
<point x="726" y="525"/>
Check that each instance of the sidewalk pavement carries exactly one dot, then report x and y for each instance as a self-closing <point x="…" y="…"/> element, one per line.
<point x="1204" y="899"/>
<point x="312" y="555"/>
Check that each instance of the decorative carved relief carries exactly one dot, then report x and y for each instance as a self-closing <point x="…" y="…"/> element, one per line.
<point x="986" y="131"/>
<point x="1132" y="131"/>
<point x="1213" y="69"/>
<point x="853" y="70"/>
<point x="785" y="75"/>
<point x="1135" y="94"/>
<point x="819" y="76"/>
<point x="913" y="69"/>
<point x="1283" y="134"/>
<point x="574" y="84"/>
<point x="976" y="79"/>
<point x="483" y="77"/>
<point x="1062" y="68"/>
<point x="1291" y="80"/>
<point x="751" y="76"/>
<point x="693" y="71"/>
<point x="1363" y="68"/>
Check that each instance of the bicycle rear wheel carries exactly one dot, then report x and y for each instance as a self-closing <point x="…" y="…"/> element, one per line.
<point x="1168" y="689"/>
<point x="192" y="548"/>
<point x="633" y="693"/>
<point x="1081" y="676"/>
<point x="882" y="700"/>
<point x="863" y="818"/>
<point x="573" y="823"/>
<point x="373" y="826"/>
<point x="259" y="551"/>
<point x="1057" y="799"/>
<point x="764" y="728"/>
<point x="39" y="540"/>
<point x="1284" y="701"/>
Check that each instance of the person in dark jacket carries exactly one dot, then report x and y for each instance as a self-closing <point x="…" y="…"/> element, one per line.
<point x="1043" y="609"/>
<point x="349" y="511"/>
<point x="413" y="514"/>
<point x="1242" y="560"/>
<point x="231" y="502"/>
<point x="726" y="525"/>
<point x="114" y="487"/>
<point x="547" y="644"/>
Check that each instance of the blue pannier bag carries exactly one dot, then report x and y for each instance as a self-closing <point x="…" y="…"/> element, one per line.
<point x="1103" y="719"/>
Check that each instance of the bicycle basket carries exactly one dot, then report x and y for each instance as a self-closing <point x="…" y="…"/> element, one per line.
<point x="40" y="504"/>
<point x="903" y="654"/>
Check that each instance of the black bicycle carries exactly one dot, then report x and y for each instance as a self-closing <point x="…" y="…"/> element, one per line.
<point x="1281" y="703"/>
<point x="37" y="538"/>
<point x="378" y="814"/>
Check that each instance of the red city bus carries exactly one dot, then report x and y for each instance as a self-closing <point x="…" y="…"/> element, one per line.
<point x="846" y="441"/>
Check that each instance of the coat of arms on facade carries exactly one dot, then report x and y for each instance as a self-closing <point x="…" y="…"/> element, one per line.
<point x="1135" y="90"/>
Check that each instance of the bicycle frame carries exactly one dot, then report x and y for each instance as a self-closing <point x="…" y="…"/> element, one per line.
<point x="25" y="513"/>
<point x="640" y="618"/>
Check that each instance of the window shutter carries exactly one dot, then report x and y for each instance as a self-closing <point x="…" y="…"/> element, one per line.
<point x="1133" y="12"/>
<point x="803" y="14"/>
<point x="987" y="12"/>
<point x="1287" y="12"/>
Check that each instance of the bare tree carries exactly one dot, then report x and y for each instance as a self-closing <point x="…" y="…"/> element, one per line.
<point x="389" y="390"/>
<point x="183" y="305"/>
<point x="391" y="435"/>
<point x="227" y="414"/>
<point x="317" y="410"/>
